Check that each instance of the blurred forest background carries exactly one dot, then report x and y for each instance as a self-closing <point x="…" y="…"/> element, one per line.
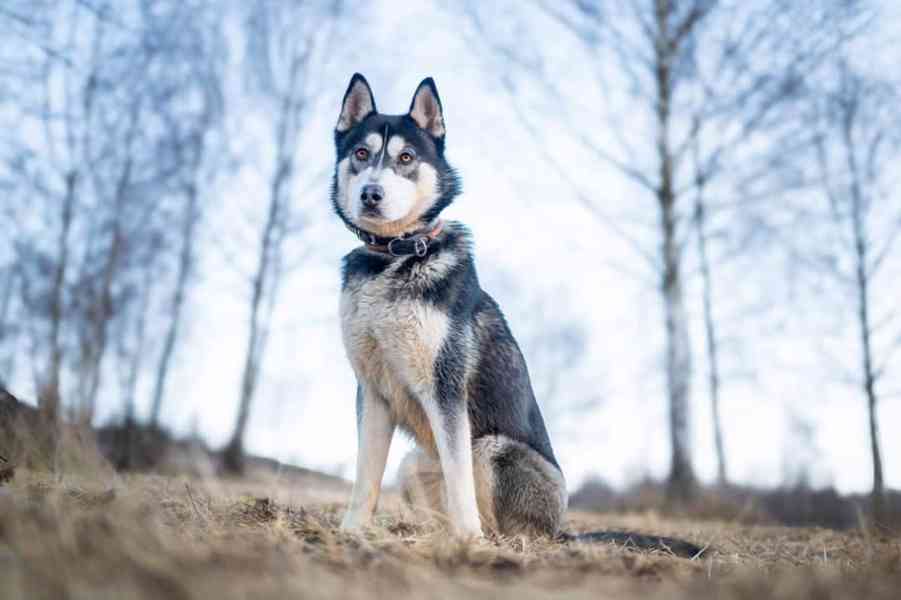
<point x="689" y="210"/>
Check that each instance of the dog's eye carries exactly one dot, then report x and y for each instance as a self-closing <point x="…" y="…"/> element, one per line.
<point x="405" y="158"/>
<point x="361" y="153"/>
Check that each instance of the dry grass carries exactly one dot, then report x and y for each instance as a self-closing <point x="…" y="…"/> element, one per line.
<point x="87" y="532"/>
<point x="109" y="536"/>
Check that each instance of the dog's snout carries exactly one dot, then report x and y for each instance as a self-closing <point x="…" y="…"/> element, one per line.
<point x="372" y="194"/>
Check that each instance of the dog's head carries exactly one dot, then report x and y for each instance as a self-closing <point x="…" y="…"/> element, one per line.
<point x="391" y="176"/>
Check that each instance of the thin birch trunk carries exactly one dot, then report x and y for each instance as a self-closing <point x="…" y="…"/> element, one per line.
<point x="862" y="280"/>
<point x="49" y="388"/>
<point x="713" y="365"/>
<point x="678" y="358"/>
<point x="185" y="265"/>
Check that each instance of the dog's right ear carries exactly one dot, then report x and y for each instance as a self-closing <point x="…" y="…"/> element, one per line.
<point x="357" y="105"/>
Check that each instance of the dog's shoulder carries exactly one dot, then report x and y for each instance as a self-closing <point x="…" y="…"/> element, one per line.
<point x="446" y="277"/>
<point x="361" y="264"/>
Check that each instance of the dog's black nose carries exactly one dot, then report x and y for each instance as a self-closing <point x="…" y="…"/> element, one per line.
<point x="372" y="194"/>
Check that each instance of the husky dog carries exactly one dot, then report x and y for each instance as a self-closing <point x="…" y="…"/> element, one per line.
<point x="431" y="350"/>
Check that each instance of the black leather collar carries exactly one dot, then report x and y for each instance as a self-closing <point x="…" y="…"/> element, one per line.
<point x="413" y="243"/>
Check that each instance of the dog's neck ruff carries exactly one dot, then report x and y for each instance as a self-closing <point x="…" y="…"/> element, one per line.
<point x="413" y="243"/>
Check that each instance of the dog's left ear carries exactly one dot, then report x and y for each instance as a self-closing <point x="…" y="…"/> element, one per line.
<point x="426" y="108"/>
<point x="357" y="105"/>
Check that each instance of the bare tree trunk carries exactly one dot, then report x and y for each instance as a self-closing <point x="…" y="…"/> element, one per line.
<point x="678" y="368"/>
<point x="185" y="264"/>
<point x="49" y="388"/>
<point x="712" y="350"/>
<point x="125" y="454"/>
<point x="6" y="301"/>
<point x="265" y="279"/>
<point x="104" y="312"/>
<point x="878" y="493"/>
<point x="137" y="355"/>
<point x="862" y="279"/>
<point x="100" y="326"/>
<point x="233" y="455"/>
<point x="678" y="352"/>
<point x="713" y="366"/>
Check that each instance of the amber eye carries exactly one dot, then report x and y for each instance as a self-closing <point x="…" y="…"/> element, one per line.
<point x="361" y="153"/>
<point x="405" y="158"/>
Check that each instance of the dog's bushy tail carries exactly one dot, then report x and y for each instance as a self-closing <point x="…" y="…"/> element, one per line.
<point x="638" y="541"/>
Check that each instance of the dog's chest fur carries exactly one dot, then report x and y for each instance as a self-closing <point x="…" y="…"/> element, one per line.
<point x="393" y="335"/>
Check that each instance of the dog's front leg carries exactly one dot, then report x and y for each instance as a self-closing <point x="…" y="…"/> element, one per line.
<point x="375" y="429"/>
<point x="450" y="426"/>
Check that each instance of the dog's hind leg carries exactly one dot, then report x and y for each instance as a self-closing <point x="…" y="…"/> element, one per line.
<point x="423" y="487"/>
<point x="520" y="492"/>
<point x="422" y="484"/>
<point x="517" y="491"/>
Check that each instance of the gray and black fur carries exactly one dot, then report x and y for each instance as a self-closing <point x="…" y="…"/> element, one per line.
<point x="431" y="350"/>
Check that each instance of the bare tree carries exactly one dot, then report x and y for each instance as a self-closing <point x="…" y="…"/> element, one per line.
<point x="747" y="125"/>
<point x="859" y="145"/>
<point x="98" y="287"/>
<point x="192" y="133"/>
<point x="186" y="259"/>
<point x="51" y="173"/>
<point x="150" y="69"/>
<point x="107" y="85"/>
<point x="699" y="78"/>
<point x="285" y="43"/>
<point x="710" y="331"/>
<point x="131" y="342"/>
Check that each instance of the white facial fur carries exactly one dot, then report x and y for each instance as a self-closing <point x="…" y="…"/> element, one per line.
<point x="395" y="145"/>
<point x="374" y="142"/>
<point x="404" y="201"/>
<point x="400" y="193"/>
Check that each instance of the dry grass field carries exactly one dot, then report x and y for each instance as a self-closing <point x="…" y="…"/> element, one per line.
<point x="103" y="535"/>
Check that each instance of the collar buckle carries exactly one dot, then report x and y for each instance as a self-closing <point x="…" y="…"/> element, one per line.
<point x="417" y="243"/>
<point x="391" y="247"/>
<point x="420" y="246"/>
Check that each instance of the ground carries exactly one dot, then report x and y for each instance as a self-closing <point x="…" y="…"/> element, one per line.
<point x="275" y="536"/>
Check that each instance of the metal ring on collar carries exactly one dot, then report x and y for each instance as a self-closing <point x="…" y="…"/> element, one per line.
<point x="420" y="246"/>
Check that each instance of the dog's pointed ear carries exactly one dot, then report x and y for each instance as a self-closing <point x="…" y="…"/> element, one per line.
<point x="357" y="105"/>
<point x="426" y="108"/>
